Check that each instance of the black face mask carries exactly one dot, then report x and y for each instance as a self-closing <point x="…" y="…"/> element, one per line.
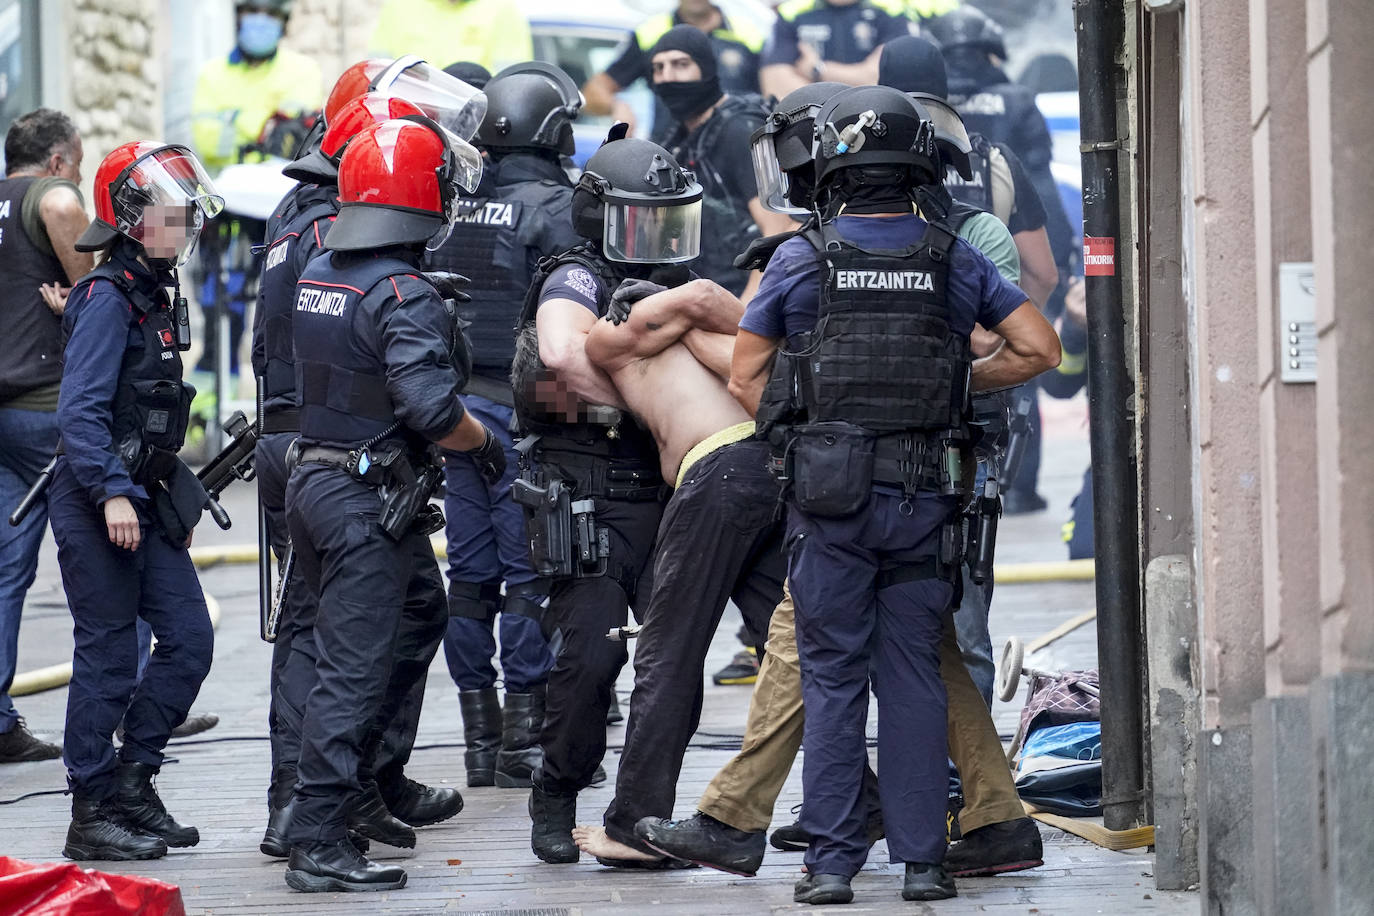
<point x="688" y="99"/>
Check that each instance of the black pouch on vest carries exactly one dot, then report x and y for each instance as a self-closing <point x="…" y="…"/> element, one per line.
<point x="164" y="408"/>
<point x="832" y="468"/>
<point x="178" y="501"/>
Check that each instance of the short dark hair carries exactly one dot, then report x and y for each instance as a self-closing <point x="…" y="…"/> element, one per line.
<point x="33" y="137"/>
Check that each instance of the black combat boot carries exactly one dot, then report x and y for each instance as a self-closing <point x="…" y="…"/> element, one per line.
<point x="339" y="867"/>
<point x="481" y="733"/>
<point x="706" y="841"/>
<point x="369" y="817"/>
<point x="924" y="881"/>
<point x="98" y="831"/>
<point x="552" y="818"/>
<point x="274" y="843"/>
<point x="279" y="796"/>
<point x="138" y="802"/>
<point x="417" y="804"/>
<point x="520" y="752"/>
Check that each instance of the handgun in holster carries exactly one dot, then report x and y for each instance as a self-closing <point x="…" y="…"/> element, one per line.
<point x="984" y="513"/>
<point x="548" y="525"/>
<point x="407" y="508"/>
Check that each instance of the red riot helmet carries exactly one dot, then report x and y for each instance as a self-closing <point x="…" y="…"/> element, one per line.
<point x="321" y="163"/>
<point x="156" y="194"/>
<point x="455" y="105"/>
<point x="399" y="183"/>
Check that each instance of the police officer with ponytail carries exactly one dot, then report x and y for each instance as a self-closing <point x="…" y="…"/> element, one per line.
<point x="123" y="505"/>
<point x="379" y="365"/>
<point x="497" y="242"/>
<point x="870" y="429"/>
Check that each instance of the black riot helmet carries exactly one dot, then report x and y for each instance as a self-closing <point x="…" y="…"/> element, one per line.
<point x="530" y="106"/>
<point x="639" y="204"/>
<point x="782" y="149"/>
<point x="967" y="27"/>
<point x="875" y="135"/>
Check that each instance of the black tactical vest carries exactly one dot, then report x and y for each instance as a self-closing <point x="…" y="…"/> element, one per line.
<point x="291" y="245"/>
<point x="151" y="405"/>
<point x="882" y="356"/>
<point x="977" y="191"/>
<point x="341" y="379"/>
<point x="33" y="334"/>
<point x="490" y="246"/>
<point x="727" y="227"/>
<point x="624" y="439"/>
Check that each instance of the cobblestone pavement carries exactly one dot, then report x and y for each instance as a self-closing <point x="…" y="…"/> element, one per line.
<point x="480" y="862"/>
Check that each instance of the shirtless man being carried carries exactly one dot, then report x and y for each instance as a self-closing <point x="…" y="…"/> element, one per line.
<point x="670" y="362"/>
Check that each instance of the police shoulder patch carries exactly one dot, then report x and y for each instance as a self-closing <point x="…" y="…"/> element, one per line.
<point x="581" y="279"/>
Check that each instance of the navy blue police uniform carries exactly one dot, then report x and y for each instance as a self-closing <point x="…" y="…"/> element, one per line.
<point x="375" y="367"/>
<point x="611" y="468"/>
<point x="516" y="218"/>
<point x="123" y="410"/>
<point x="842" y="34"/>
<point x="865" y="567"/>
<point x="295" y="234"/>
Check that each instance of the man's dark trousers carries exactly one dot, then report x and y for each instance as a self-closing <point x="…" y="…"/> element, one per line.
<point x="381" y="616"/>
<point x="848" y="628"/>
<point x="718" y="541"/>
<point x="586" y="663"/>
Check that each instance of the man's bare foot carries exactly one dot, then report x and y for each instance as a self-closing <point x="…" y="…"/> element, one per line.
<point x="594" y="841"/>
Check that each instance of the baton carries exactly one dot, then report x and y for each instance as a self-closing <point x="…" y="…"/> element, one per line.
<point x="40" y="486"/>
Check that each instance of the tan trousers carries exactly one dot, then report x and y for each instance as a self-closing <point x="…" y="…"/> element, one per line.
<point x="745" y="790"/>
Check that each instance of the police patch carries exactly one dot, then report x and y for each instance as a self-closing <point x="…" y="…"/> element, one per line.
<point x="581" y="279"/>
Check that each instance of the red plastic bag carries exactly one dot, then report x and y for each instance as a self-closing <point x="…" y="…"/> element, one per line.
<point x="64" y="889"/>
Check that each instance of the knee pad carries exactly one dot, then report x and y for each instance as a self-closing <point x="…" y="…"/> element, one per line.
<point x="526" y="600"/>
<point x="474" y="600"/>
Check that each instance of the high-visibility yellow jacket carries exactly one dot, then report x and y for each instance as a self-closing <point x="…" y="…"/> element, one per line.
<point x="234" y="99"/>
<point x="493" y="33"/>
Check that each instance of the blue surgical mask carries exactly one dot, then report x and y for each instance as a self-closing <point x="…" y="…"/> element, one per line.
<point x="259" y="34"/>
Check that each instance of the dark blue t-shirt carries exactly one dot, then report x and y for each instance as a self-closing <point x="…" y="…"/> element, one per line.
<point x="842" y="34"/>
<point x="576" y="283"/>
<point x="788" y="299"/>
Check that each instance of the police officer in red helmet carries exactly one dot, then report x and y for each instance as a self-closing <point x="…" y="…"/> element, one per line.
<point x="379" y="365"/>
<point x="122" y="505"/>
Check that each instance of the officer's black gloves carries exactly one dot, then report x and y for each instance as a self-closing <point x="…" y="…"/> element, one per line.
<point x="626" y="295"/>
<point x="490" y="458"/>
<point x="450" y="285"/>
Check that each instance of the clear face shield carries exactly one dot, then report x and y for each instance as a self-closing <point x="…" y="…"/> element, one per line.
<point x="641" y="233"/>
<point x="163" y="201"/>
<point x="951" y="136"/>
<point x="462" y="170"/>
<point x="455" y="105"/>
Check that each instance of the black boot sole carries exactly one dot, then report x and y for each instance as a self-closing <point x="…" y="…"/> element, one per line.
<point x="315" y="884"/>
<point x="983" y="871"/>
<point x="557" y="856"/>
<point x="821" y="897"/>
<point x="932" y="893"/>
<point x="109" y="853"/>
<point x="718" y="866"/>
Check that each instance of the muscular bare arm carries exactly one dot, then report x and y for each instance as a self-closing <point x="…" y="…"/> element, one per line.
<point x="1031" y="347"/>
<point x="661" y="319"/>
<point x="713" y="350"/>
<point x="65" y="219"/>
<point x="563" y="327"/>
<point x="1039" y="276"/>
<point x="750" y="366"/>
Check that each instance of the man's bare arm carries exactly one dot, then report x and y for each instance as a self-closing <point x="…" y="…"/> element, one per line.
<point x="750" y="367"/>
<point x="863" y="73"/>
<point x="1031" y="347"/>
<point x="599" y="91"/>
<point x="779" y="79"/>
<point x="563" y="327"/>
<point x="713" y="350"/>
<point x="1039" y="276"/>
<point x="659" y="320"/>
<point x="65" y="219"/>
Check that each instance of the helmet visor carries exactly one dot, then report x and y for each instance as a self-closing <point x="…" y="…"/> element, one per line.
<point x="951" y="136"/>
<point x="467" y="163"/>
<point x="457" y="106"/>
<point x="773" y="183"/>
<point x="162" y="202"/>
<point x="641" y="234"/>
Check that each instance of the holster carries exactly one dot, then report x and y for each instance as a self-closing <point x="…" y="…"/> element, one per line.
<point x="177" y="500"/>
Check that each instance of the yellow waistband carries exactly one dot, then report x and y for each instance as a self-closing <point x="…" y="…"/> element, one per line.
<point x="727" y="436"/>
